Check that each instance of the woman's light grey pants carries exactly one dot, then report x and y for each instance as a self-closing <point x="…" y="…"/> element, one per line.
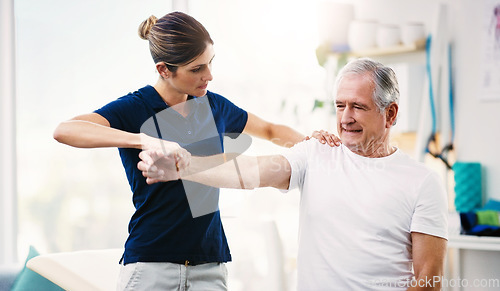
<point x="170" y="276"/>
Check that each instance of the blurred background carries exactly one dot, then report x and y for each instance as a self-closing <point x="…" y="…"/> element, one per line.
<point x="72" y="57"/>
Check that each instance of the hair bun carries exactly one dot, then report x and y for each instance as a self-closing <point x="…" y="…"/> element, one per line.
<point x="146" y="26"/>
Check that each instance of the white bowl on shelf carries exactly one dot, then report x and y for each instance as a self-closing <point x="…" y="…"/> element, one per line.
<point x="362" y="34"/>
<point x="388" y="35"/>
<point x="412" y="32"/>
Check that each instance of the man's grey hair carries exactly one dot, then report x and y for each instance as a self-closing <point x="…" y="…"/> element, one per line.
<point x="386" y="85"/>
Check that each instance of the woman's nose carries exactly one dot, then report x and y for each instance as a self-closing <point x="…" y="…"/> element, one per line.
<point x="208" y="75"/>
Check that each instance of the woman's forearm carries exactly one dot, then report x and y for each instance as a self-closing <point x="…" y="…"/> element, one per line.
<point x="86" y="134"/>
<point x="277" y="133"/>
<point x="286" y="136"/>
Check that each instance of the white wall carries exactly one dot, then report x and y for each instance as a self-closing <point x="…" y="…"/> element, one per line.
<point x="476" y="120"/>
<point x="477" y="134"/>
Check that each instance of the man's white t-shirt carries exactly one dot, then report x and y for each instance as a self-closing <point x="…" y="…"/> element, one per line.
<point x="357" y="215"/>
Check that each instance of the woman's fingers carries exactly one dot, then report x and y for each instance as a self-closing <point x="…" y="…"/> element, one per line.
<point x="324" y="136"/>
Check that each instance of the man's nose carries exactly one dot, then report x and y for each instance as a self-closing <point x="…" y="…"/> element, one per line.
<point x="347" y="116"/>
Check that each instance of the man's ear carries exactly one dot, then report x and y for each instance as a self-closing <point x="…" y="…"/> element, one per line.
<point x="162" y="69"/>
<point x="391" y="113"/>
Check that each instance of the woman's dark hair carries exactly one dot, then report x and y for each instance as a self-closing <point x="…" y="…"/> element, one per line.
<point x="175" y="39"/>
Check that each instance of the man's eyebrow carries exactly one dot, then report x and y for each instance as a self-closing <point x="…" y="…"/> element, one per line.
<point x="360" y="104"/>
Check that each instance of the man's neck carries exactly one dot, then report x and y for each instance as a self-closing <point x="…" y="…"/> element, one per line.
<point x="373" y="150"/>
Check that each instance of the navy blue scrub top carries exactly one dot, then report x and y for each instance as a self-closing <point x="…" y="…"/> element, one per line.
<point x="164" y="228"/>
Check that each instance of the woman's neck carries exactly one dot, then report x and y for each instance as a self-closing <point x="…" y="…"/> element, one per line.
<point x="168" y="94"/>
<point x="172" y="98"/>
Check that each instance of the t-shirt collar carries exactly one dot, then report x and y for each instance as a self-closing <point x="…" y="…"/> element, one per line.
<point x="358" y="156"/>
<point x="156" y="101"/>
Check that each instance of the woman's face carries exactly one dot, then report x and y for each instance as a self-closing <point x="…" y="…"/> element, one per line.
<point x="193" y="78"/>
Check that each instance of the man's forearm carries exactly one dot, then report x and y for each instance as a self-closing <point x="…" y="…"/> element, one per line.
<point x="239" y="172"/>
<point x="224" y="171"/>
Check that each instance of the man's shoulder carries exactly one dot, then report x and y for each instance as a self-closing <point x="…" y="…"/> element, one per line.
<point x="314" y="145"/>
<point x="417" y="169"/>
<point x="312" y="149"/>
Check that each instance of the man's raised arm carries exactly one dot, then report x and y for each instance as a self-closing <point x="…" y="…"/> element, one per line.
<point x="222" y="171"/>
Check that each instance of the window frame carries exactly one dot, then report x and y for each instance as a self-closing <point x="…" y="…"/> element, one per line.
<point x="8" y="166"/>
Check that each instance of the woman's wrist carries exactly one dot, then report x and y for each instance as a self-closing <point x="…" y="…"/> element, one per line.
<point x="138" y="141"/>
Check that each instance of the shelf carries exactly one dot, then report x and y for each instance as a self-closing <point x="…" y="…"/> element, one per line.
<point x="471" y="242"/>
<point x="389" y="51"/>
<point x="414" y="53"/>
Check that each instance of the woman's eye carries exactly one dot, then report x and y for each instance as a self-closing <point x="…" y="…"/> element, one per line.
<point x="195" y="70"/>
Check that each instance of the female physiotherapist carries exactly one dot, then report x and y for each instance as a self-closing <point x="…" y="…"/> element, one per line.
<point x="168" y="247"/>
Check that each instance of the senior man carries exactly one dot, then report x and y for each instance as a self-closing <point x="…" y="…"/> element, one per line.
<point x="371" y="218"/>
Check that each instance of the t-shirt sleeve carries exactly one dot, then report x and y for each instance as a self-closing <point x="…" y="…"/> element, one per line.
<point x="235" y="118"/>
<point x="431" y="211"/>
<point x="297" y="156"/>
<point x="119" y="113"/>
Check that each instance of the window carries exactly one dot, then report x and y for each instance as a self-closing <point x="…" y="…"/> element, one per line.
<point x="72" y="58"/>
<point x="8" y="225"/>
<point x="75" y="56"/>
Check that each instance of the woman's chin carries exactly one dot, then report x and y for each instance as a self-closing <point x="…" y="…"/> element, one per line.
<point x="199" y="92"/>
